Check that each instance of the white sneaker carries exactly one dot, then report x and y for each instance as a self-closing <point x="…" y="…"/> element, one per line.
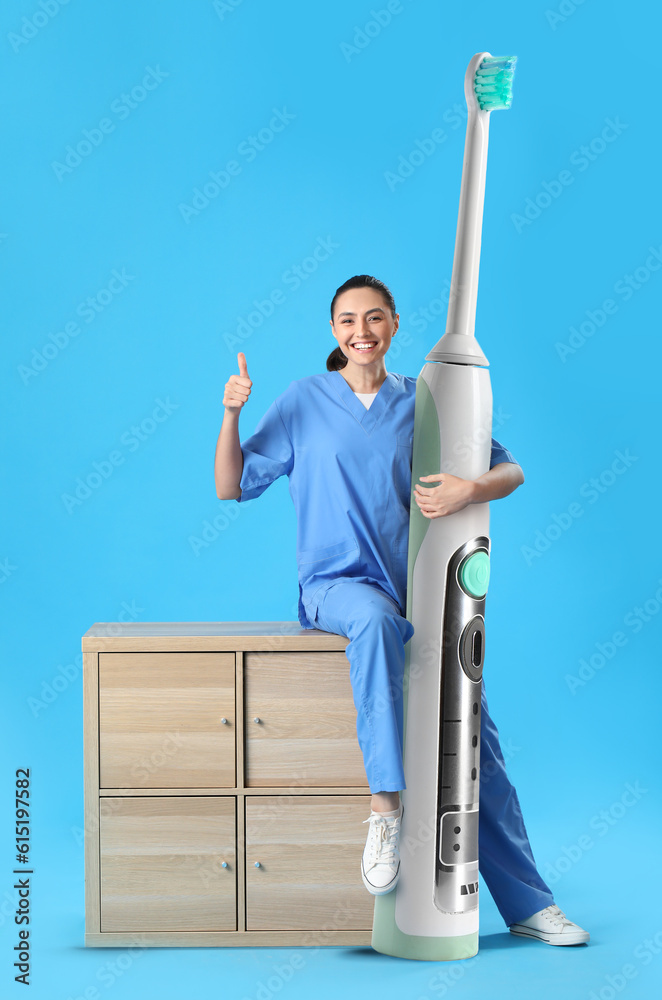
<point x="380" y="864"/>
<point x="551" y="926"/>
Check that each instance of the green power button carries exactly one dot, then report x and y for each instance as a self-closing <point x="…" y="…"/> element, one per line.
<point x="475" y="574"/>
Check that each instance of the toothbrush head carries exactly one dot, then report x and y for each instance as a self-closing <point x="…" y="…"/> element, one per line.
<point x="493" y="82"/>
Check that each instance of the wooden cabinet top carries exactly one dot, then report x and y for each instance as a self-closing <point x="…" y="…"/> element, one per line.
<point x="207" y="636"/>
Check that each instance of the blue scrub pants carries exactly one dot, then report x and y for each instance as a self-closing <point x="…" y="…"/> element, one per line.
<point x="378" y="632"/>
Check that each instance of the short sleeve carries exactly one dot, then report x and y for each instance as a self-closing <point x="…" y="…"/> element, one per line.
<point x="500" y="454"/>
<point x="268" y="454"/>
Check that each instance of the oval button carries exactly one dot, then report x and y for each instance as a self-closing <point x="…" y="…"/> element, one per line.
<point x="475" y="574"/>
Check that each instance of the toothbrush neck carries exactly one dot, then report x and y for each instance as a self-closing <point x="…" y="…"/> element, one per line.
<point x="466" y="261"/>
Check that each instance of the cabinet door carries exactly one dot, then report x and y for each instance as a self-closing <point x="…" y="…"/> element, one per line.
<point x="160" y="720"/>
<point x="306" y="734"/>
<point x="309" y="849"/>
<point x="162" y="863"/>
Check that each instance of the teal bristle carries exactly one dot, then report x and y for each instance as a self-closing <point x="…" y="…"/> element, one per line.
<point x="493" y="83"/>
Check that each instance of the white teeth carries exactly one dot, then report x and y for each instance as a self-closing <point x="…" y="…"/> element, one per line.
<point x="363" y="347"/>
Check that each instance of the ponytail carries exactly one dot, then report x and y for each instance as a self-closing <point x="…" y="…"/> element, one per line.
<point x="336" y="360"/>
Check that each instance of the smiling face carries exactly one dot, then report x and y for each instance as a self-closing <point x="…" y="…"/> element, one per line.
<point x="363" y="326"/>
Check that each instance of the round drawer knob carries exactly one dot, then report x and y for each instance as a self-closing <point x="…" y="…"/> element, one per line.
<point x="224" y="721"/>
<point x="257" y="864"/>
<point x="257" y="719"/>
<point x="224" y="864"/>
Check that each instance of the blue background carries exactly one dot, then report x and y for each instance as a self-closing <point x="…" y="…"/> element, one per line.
<point x="361" y="104"/>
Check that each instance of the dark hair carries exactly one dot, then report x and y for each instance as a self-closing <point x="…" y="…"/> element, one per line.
<point x="336" y="359"/>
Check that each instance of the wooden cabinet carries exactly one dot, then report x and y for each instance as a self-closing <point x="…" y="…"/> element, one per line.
<point x="225" y="792"/>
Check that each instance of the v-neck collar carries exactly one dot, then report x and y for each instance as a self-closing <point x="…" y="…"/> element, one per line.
<point x="370" y="418"/>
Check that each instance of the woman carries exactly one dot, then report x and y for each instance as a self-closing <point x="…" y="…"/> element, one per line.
<point x="344" y="439"/>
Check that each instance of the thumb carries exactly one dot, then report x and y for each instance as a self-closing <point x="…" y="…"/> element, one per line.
<point x="241" y="358"/>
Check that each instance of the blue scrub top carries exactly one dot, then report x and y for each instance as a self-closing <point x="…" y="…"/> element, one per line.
<point x="350" y="479"/>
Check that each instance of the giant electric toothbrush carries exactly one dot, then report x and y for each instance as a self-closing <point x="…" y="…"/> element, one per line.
<point x="432" y="914"/>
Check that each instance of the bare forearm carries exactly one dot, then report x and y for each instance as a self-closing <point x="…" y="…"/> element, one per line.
<point x="228" y="461"/>
<point x="499" y="482"/>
